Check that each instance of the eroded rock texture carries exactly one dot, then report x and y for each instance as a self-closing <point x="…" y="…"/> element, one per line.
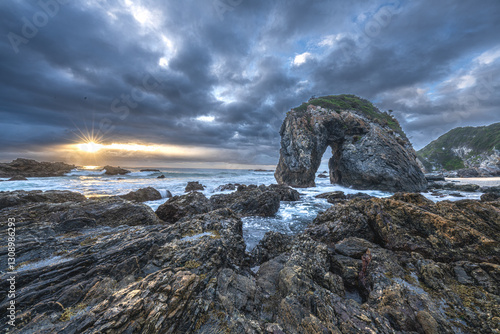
<point x="365" y="154"/>
<point x="394" y="265"/>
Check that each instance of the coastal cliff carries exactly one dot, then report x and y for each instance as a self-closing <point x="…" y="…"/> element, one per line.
<point x="473" y="151"/>
<point x="369" y="148"/>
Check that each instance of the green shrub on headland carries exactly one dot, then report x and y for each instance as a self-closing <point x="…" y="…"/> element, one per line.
<point x="478" y="140"/>
<point x="346" y="102"/>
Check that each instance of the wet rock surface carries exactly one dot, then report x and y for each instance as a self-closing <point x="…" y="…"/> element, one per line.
<point x="365" y="154"/>
<point x="255" y="200"/>
<point x="110" y="170"/>
<point x="18" y="197"/>
<point x="402" y="264"/>
<point x="188" y="205"/>
<point x="194" y="186"/>
<point x="31" y="168"/>
<point x="143" y="195"/>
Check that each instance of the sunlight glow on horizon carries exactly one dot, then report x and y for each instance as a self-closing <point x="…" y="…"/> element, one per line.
<point x="92" y="147"/>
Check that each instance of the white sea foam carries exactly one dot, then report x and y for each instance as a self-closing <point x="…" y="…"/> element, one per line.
<point x="292" y="217"/>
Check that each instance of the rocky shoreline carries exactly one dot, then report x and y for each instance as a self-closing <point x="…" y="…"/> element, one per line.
<point x="22" y="168"/>
<point x="366" y="265"/>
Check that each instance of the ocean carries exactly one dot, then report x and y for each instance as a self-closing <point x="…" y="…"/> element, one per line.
<point x="291" y="218"/>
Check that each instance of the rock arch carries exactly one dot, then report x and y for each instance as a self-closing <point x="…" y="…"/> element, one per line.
<point x="365" y="154"/>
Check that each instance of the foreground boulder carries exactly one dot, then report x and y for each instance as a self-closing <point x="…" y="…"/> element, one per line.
<point x="369" y="149"/>
<point x="143" y="195"/>
<point x="188" y="205"/>
<point x="443" y="231"/>
<point x="249" y="201"/>
<point x="31" y="168"/>
<point x="194" y="186"/>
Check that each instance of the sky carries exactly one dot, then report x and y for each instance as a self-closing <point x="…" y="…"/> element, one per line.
<point x="208" y="83"/>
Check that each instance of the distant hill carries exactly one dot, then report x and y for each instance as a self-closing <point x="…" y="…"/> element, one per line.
<point x="467" y="147"/>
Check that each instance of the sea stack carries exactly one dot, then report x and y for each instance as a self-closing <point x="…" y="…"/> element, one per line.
<point x="369" y="148"/>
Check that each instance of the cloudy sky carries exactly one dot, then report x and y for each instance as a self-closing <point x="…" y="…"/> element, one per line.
<point x="208" y="83"/>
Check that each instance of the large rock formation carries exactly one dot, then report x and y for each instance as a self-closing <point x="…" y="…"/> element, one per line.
<point x="32" y="168"/>
<point x="369" y="149"/>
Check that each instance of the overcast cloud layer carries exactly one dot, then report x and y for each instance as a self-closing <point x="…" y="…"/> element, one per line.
<point x="221" y="74"/>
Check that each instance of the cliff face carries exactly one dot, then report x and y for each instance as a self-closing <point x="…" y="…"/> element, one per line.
<point x="468" y="147"/>
<point x="367" y="151"/>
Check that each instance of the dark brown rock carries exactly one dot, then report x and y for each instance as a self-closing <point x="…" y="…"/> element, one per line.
<point x="143" y="195"/>
<point x="21" y="197"/>
<point x="178" y="207"/>
<point x="194" y="186"/>
<point x="31" y="168"/>
<point x="249" y="201"/>
<point x="110" y="170"/>
<point x="18" y="178"/>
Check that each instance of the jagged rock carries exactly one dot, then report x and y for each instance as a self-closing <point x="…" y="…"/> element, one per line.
<point x="178" y="207"/>
<point x="249" y="201"/>
<point x="18" y="178"/>
<point x="229" y="186"/>
<point x="155" y="269"/>
<point x="491" y="189"/>
<point x="365" y="154"/>
<point x="434" y="177"/>
<point x="332" y="196"/>
<point x="110" y="170"/>
<point x="194" y="186"/>
<point x="110" y="211"/>
<point x="322" y="176"/>
<point x="272" y="245"/>
<point x="442" y="231"/>
<point x="488" y="197"/>
<point x="194" y="276"/>
<point x="339" y="196"/>
<point x="286" y="193"/>
<point x="20" y="197"/>
<point x="358" y="195"/>
<point x="143" y="195"/>
<point x="466" y="187"/>
<point x="467" y="172"/>
<point x="32" y="168"/>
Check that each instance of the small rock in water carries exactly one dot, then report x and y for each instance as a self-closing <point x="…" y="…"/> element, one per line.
<point x="18" y="178"/>
<point x="143" y="195"/>
<point x="193" y="186"/>
<point x="161" y="176"/>
<point x="110" y="170"/>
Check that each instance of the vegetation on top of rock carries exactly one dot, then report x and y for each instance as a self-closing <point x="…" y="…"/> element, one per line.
<point x="343" y="102"/>
<point x="461" y="147"/>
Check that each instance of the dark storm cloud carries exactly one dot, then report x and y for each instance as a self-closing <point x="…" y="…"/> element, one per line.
<point x="144" y="71"/>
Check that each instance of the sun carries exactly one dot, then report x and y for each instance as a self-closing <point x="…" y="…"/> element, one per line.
<point x="90" y="147"/>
